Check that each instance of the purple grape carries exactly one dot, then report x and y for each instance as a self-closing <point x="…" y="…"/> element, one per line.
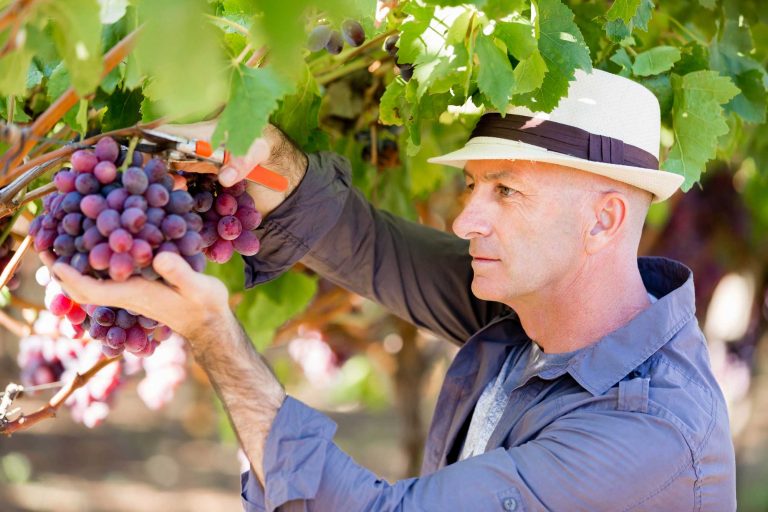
<point x="111" y="352"/>
<point x="335" y="43"/>
<point x="136" y="201"/>
<point x="136" y="339"/>
<point x="196" y="261"/>
<point x="229" y="227"/>
<point x="93" y="204"/>
<point x="72" y="222"/>
<point x="180" y="202"/>
<point x="221" y="251"/>
<point x="168" y="182"/>
<point x="83" y="161"/>
<point x="108" y="221"/>
<point x="64" y="181"/>
<point x="174" y="226"/>
<point x="353" y="33"/>
<point x="318" y="38"/>
<point x="249" y="218"/>
<point x="155" y="216"/>
<point x="235" y="190"/>
<point x="141" y="252"/>
<point x="49" y="222"/>
<point x="134" y="180"/>
<point x="116" y="198"/>
<point x="64" y="245"/>
<point x="64" y="259"/>
<point x="157" y="195"/>
<point x="44" y="239"/>
<point x="120" y="266"/>
<point x="35" y="225"/>
<point x="151" y="234"/>
<point x="115" y="337"/>
<point x="106" y="189"/>
<point x="107" y="149"/>
<point x="88" y="223"/>
<point x="245" y="201"/>
<point x="203" y="201"/>
<point x="406" y="71"/>
<point x="194" y="221"/>
<point x="155" y="170"/>
<point x="80" y="244"/>
<point x="120" y="240"/>
<point x="98" y="332"/>
<point x="80" y="263"/>
<point x="87" y="183"/>
<point x="138" y="159"/>
<point x="390" y="45"/>
<point x="162" y="332"/>
<point x="92" y="237"/>
<point x="99" y="256"/>
<point x="133" y="219"/>
<point x="147" y="323"/>
<point x="209" y="234"/>
<point x="189" y="244"/>
<point x="104" y="316"/>
<point x="105" y="172"/>
<point x="210" y="216"/>
<point x="71" y="202"/>
<point x="125" y="319"/>
<point x="168" y="247"/>
<point x="247" y="243"/>
<point x="225" y="204"/>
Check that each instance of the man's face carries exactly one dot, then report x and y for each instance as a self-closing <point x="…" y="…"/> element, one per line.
<point x="526" y="222"/>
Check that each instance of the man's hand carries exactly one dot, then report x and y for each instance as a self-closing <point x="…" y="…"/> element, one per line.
<point x="272" y="150"/>
<point x="196" y="306"/>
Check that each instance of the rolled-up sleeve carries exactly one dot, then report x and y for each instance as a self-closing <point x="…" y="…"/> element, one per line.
<point x="419" y="273"/>
<point x="594" y="460"/>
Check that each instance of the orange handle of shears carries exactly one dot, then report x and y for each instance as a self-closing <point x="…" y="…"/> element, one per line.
<point x="264" y="176"/>
<point x="258" y="174"/>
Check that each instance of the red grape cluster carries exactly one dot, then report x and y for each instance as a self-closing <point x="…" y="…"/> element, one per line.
<point x="323" y="36"/>
<point x="110" y="224"/>
<point x="52" y="354"/>
<point x="229" y="217"/>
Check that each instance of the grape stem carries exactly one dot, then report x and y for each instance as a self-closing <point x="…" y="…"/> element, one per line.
<point x="129" y="156"/>
<point x="18" y="328"/>
<point x="58" y="108"/>
<point x="49" y="410"/>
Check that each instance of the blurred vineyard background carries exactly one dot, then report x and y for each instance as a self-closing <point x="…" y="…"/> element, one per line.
<point x="375" y="375"/>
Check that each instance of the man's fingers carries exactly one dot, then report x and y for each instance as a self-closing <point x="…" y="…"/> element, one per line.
<point x="47" y="258"/>
<point x="176" y="272"/>
<point x="239" y="167"/>
<point x="84" y="289"/>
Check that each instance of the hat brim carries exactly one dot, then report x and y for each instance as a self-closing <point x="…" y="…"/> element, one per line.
<point x="661" y="184"/>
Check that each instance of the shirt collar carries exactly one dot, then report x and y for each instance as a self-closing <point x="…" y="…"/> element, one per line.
<point x="599" y="367"/>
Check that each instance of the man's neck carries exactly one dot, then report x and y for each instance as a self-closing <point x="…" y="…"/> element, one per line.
<point x="584" y="309"/>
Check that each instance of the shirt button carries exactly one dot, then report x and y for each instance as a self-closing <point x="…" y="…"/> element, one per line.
<point x="510" y="503"/>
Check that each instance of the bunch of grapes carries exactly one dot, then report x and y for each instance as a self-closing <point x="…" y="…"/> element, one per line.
<point x="390" y="46"/>
<point x="110" y="224"/>
<point x="323" y="36"/>
<point x="52" y="354"/>
<point x="6" y="253"/>
<point x="387" y="150"/>
<point x="229" y="217"/>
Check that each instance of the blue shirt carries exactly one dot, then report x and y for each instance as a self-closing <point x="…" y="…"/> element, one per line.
<point x="635" y="421"/>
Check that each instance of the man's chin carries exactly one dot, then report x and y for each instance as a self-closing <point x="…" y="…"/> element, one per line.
<point x="483" y="292"/>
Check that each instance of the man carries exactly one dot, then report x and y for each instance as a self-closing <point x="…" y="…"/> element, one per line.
<point x="583" y="380"/>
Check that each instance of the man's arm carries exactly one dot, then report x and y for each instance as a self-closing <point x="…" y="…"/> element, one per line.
<point x="421" y="274"/>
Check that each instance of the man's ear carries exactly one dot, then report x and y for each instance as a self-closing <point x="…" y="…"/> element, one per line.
<point x="609" y="217"/>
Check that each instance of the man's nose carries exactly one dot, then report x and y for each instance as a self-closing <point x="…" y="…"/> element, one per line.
<point x="473" y="221"/>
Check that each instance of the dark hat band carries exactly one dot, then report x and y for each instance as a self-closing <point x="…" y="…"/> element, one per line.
<point x="563" y="138"/>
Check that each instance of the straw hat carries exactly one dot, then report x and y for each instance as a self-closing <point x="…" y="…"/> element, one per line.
<point x="606" y="125"/>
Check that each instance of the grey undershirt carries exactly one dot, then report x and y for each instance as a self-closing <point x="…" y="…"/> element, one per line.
<point x="518" y="368"/>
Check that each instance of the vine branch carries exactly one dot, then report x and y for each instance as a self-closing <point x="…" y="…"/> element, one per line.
<point x="49" y="410"/>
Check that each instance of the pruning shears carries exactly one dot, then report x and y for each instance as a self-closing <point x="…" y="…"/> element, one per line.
<point x="183" y="150"/>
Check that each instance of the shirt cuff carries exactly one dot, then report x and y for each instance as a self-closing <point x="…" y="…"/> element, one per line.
<point x="306" y="216"/>
<point x="295" y="453"/>
<point x="252" y="493"/>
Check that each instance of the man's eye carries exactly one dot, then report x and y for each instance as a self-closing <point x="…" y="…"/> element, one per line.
<point x="506" y="191"/>
<point x="470" y="186"/>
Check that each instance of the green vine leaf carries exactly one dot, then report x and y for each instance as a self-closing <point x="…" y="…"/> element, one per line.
<point x="656" y="60"/>
<point x="698" y="121"/>
<point x="495" y="77"/>
<point x="623" y="10"/>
